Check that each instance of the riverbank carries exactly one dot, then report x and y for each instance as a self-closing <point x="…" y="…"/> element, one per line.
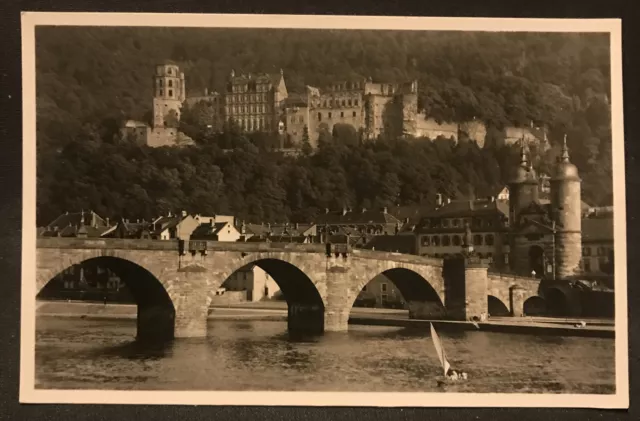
<point x="277" y="311"/>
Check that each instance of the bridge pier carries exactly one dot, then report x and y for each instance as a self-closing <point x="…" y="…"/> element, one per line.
<point x="516" y="300"/>
<point x="190" y="302"/>
<point x="426" y="310"/>
<point x="466" y="288"/>
<point x="337" y="306"/>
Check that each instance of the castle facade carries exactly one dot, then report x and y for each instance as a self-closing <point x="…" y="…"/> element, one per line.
<point x="262" y="103"/>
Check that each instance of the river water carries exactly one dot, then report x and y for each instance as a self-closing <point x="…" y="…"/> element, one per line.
<point x="260" y="355"/>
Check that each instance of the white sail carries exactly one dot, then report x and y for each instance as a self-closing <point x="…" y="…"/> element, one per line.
<point x="442" y="356"/>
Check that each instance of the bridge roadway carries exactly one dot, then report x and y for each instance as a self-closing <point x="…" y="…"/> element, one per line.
<point x="173" y="282"/>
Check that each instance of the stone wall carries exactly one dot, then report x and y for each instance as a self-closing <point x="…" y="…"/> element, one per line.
<point x="500" y="285"/>
<point x="229" y="297"/>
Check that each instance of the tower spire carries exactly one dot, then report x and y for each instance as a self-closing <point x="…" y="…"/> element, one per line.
<point x="565" y="150"/>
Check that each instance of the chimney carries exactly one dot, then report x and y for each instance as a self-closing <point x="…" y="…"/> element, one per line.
<point x="438" y="200"/>
<point x="184" y="214"/>
<point x="492" y="199"/>
<point x="206" y="91"/>
<point x="448" y="200"/>
<point x="297" y="226"/>
<point x="169" y="214"/>
<point x="107" y="220"/>
<point x="326" y="210"/>
<point x="344" y="210"/>
<point x="384" y="210"/>
<point x="364" y="210"/>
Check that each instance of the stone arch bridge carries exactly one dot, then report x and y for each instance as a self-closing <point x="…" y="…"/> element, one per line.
<point x="173" y="282"/>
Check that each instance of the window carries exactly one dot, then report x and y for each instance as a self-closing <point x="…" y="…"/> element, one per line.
<point x="344" y="103"/>
<point x="477" y="240"/>
<point x="355" y="102"/>
<point x="456" y="223"/>
<point x="170" y="92"/>
<point x="300" y="119"/>
<point x="489" y="239"/>
<point x="341" y="114"/>
<point x="293" y="119"/>
<point x="425" y="240"/>
<point x="169" y="70"/>
<point x="445" y="223"/>
<point x="446" y="240"/>
<point x="170" y="83"/>
<point x="586" y="251"/>
<point x="349" y="102"/>
<point x="456" y="240"/>
<point x="161" y="92"/>
<point x="319" y="116"/>
<point x="587" y="265"/>
<point x="355" y="114"/>
<point x="436" y="240"/>
<point x="383" y="287"/>
<point x="160" y="82"/>
<point x="601" y="251"/>
<point x="329" y="114"/>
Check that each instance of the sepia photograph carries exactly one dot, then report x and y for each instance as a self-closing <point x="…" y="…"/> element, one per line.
<point x="323" y="210"/>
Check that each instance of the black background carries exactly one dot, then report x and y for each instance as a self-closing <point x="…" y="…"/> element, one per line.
<point x="11" y="210"/>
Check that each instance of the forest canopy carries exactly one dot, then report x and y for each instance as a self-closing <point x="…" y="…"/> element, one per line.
<point x="90" y="79"/>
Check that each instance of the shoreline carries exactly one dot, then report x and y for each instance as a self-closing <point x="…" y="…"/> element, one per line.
<point x="277" y="311"/>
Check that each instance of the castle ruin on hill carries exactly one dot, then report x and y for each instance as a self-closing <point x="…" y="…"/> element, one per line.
<point x="261" y="103"/>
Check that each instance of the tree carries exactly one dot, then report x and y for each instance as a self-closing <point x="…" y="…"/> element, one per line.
<point x="306" y="144"/>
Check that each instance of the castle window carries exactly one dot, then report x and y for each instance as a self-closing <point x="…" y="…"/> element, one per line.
<point x="170" y="83"/>
<point x="319" y="116"/>
<point x="344" y="103"/>
<point x="349" y="102"/>
<point x="446" y="240"/>
<point x="355" y="101"/>
<point x="329" y="114"/>
<point x="161" y="92"/>
<point x="355" y="114"/>
<point x="489" y="239"/>
<point x="425" y="240"/>
<point x="159" y="82"/>
<point x="477" y="240"/>
<point x="456" y="240"/>
<point x="170" y="92"/>
<point x="341" y="114"/>
<point x="169" y="70"/>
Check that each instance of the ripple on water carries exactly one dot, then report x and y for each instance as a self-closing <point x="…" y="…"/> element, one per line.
<point x="260" y="355"/>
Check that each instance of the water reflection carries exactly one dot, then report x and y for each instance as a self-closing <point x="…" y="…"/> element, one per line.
<point x="262" y="355"/>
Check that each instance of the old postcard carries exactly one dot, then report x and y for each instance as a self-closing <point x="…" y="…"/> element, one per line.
<point x="323" y="210"/>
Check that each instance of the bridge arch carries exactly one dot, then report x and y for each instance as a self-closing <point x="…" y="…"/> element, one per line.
<point x="535" y="305"/>
<point x="420" y="289"/>
<point x="156" y="312"/>
<point x="497" y="307"/>
<point x="293" y="273"/>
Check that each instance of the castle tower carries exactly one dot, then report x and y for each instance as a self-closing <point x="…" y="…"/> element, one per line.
<point x="566" y="207"/>
<point x="169" y="92"/>
<point x="523" y="187"/>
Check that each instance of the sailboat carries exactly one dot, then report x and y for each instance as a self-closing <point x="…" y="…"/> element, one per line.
<point x="442" y="356"/>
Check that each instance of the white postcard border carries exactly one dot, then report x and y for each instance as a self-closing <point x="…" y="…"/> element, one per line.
<point x="28" y="393"/>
